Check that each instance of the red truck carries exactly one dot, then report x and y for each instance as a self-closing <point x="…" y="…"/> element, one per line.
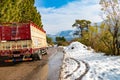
<point x="21" y="42"/>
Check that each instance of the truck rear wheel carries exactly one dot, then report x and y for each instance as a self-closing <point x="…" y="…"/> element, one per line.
<point x="43" y="51"/>
<point x="36" y="56"/>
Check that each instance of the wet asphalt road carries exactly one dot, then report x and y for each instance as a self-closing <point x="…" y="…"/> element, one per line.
<point x="54" y="63"/>
<point x="46" y="69"/>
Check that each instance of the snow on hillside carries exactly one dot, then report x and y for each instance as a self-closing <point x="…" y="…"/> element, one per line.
<point x="82" y="64"/>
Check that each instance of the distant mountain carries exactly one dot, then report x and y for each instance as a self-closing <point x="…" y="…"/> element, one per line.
<point x="68" y="34"/>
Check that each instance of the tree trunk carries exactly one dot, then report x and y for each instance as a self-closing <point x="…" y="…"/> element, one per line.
<point x="113" y="50"/>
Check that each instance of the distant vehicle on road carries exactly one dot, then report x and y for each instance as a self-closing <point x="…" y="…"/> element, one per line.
<point x="21" y="42"/>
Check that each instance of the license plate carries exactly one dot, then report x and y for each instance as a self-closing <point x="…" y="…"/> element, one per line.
<point x="16" y="55"/>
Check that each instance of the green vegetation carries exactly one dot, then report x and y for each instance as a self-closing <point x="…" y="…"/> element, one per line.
<point x="106" y="37"/>
<point x="112" y="20"/>
<point x="19" y="11"/>
<point x="98" y="37"/>
<point x="82" y="25"/>
<point x="61" y="41"/>
<point x="50" y="41"/>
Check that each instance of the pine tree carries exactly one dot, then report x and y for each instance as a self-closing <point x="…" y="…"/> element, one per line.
<point x="19" y="11"/>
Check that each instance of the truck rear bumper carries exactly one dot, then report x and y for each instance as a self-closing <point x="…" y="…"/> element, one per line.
<point x="18" y="60"/>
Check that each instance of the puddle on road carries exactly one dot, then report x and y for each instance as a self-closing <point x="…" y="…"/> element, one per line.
<point x="55" y="64"/>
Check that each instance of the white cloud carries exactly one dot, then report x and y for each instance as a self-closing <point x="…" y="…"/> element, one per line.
<point x="55" y="20"/>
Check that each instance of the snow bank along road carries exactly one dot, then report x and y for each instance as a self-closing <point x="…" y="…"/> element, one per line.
<point x="79" y="63"/>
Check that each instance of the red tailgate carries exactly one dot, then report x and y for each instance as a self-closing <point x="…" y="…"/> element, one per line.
<point x="5" y="33"/>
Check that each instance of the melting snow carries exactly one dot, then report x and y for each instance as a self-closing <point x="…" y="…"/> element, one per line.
<point x="79" y="63"/>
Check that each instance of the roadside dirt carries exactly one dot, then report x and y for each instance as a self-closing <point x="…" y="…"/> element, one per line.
<point x="34" y="70"/>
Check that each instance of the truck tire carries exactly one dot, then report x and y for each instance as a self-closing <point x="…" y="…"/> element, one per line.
<point x="44" y="52"/>
<point x="36" y="56"/>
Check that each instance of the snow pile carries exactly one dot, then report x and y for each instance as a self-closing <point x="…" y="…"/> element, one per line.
<point x="76" y="46"/>
<point x="79" y="63"/>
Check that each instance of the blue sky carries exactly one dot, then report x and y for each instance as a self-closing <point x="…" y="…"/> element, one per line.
<point x="59" y="15"/>
<point x="52" y="3"/>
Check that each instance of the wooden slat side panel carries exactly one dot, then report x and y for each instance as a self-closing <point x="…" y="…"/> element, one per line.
<point x="11" y="45"/>
<point x="38" y="38"/>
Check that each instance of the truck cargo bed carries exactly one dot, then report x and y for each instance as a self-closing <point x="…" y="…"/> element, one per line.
<point x="21" y="39"/>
